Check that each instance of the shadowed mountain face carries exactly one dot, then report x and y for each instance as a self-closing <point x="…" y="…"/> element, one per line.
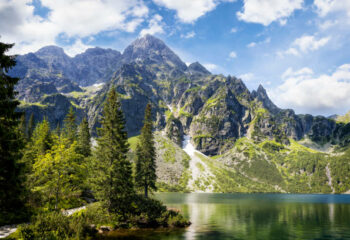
<point x="215" y="110"/>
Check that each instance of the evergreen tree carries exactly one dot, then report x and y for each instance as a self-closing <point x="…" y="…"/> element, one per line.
<point x="84" y="141"/>
<point x="23" y="127"/>
<point x="113" y="173"/>
<point x="40" y="143"/>
<point x="42" y="138"/>
<point x="70" y="125"/>
<point x="145" y="176"/>
<point x="31" y="126"/>
<point x="11" y="201"/>
<point x="58" y="130"/>
<point x="58" y="173"/>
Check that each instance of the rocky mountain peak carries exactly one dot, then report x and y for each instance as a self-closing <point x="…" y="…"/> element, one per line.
<point x="51" y="51"/>
<point x="196" y="67"/>
<point x="261" y="90"/>
<point x="148" y="41"/>
<point x="261" y="95"/>
<point x="150" y="47"/>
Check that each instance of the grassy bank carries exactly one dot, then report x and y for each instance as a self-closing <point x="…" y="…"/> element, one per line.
<point x="95" y="221"/>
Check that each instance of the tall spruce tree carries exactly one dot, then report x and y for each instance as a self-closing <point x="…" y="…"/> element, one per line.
<point x="23" y="126"/>
<point x="31" y="126"/>
<point x="70" y="126"/>
<point x="112" y="171"/>
<point x="11" y="193"/>
<point x="42" y="138"/>
<point x="84" y="141"/>
<point x="145" y="176"/>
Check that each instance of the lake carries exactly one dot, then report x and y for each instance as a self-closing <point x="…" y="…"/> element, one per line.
<point x="254" y="216"/>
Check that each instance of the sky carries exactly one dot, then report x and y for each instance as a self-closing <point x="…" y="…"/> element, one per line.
<point x="297" y="49"/>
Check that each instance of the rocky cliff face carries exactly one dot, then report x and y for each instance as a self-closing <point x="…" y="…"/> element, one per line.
<point x="214" y="109"/>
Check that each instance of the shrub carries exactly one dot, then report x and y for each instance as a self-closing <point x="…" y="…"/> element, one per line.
<point x="55" y="225"/>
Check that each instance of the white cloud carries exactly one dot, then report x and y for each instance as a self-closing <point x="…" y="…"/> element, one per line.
<point x="325" y="7"/>
<point x="189" y="11"/>
<point x="233" y="30"/>
<point x="76" y="48"/>
<point x="328" y="24"/>
<point x="305" y="44"/>
<point x="154" y="26"/>
<point x="188" y="35"/>
<point x="232" y="54"/>
<point x="290" y="73"/>
<point x="210" y="66"/>
<point x="309" y="43"/>
<point x="334" y="14"/>
<point x="305" y="92"/>
<point x="247" y="76"/>
<point x="73" y="19"/>
<point x="266" y="12"/>
<point x="254" y="44"/>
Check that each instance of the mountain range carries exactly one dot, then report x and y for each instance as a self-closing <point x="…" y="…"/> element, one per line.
<point x="244" y="142"/>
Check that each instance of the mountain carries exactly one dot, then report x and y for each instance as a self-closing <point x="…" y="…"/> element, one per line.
<point x="249" y="143"/>
<point x="96" y="65"/>
<point x="152" y="51"/>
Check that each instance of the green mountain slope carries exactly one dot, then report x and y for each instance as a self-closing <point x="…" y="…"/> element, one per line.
<point x="244" y="142"/>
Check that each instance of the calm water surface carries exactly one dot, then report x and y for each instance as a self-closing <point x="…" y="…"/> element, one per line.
<point x="255" y="216"/>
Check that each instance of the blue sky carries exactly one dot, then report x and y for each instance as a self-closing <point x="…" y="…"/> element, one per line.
<point x="297" y="49"/>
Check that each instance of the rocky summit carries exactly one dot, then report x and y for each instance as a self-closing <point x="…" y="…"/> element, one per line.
<point x="244" y="141"/>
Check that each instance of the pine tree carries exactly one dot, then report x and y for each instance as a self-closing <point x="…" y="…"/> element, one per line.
<point x="57" y="173"/>
<point x="70" y="125"/>
<point x="145" y="176"/>
<point x="42" y="138"/>
<point x="11" y="193"/>
<point x="23" y="127"/>
<point x="84" y="141"/>
<point x="40" y="143"/>
<point x="113" y="173"/>
<point x="31" y="126"/>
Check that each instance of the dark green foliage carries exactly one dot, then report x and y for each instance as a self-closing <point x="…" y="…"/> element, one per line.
<point x="22" y="127"/>
<point x="70" y="125"/>
<point x="42" y="138"/>
<point x="112" y="172"/>
<point x="84" y="142"/>
<point x="54" y="226"/>
<point x="11" y="180"/>
<point x="82" y="225"/>
<point x="145" y="176"/>
<point x="340" y="169"/>
<point x="31" y="126"/>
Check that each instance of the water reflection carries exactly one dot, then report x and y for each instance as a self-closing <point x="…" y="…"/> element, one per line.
<point x="257" y="216"/>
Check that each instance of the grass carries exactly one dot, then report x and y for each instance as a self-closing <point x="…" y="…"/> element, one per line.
<point x="28" y="104"/>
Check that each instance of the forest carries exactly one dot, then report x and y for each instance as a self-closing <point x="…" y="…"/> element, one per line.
<point x="46" y="170"/>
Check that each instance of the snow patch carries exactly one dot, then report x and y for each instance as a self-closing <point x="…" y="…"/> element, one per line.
<point x="98" y="85"/>
<point x="170" y="108"/>
<point x="198" y="175"/>
<point x="329" y="176"/>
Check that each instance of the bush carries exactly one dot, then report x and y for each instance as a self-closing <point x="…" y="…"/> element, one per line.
<point x="145" y="212"/>
<point x="152" y="213"/>
<point x="55" y="225"/>
<point x="174" y="219"/>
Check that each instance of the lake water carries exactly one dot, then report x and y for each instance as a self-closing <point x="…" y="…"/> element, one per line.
<point x="255" y="216"/>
